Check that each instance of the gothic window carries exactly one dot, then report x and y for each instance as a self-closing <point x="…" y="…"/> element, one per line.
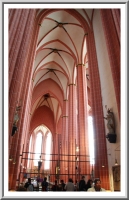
<point x="91" y="139"/>
<point x="48" y="151"/>
<point x="38" y="148"/>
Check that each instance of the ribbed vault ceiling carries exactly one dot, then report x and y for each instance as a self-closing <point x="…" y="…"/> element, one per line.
<point x="61" y="46"/>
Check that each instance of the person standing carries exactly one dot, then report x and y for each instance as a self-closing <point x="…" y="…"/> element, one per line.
<point x="62" y="185"/>
<point x="89" y="184"/>
<point x="76" y="185"/>
<point x="82" y="184"/>
<point x="55" y="187"/>
<point x="97" y="187"/>
<point x="29" y="186"/>
<point x="45" y="184"/>
<point x="69" y="186"/>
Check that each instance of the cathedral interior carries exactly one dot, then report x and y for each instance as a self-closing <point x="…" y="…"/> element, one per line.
<point x="64" y="95"/>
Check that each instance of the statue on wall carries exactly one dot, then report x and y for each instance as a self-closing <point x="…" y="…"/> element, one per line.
<point x="110" y="121"/>
<point x="15" y="120"/>
<point x="111" y="136"/>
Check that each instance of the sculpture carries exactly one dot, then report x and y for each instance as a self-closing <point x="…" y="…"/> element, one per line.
<point x="15" y="120"/>
<point x="110" y="121"/>
<point x="111" y="136"/>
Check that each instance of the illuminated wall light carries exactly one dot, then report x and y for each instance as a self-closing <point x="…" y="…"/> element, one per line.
<point x="14" y="161"/>
<point x="77" y="149"/>
<point x="116" y="163"/>
<point x="10" y="158"/>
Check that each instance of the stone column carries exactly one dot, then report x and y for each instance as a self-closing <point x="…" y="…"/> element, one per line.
<point x="117" y="19"/>
<point x="64" y="138"/>
<point x="113" y="47"/>
<point x="82" y="98"/>
<point x="16" y="86"/>
<point x="54" y="157"/>
<point x="72" y="130"/>
<point x="17" y="23"/>
<point x="97" y="112"/>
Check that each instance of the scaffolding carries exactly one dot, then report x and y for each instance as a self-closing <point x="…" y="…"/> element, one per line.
<point x="37" y="172"/>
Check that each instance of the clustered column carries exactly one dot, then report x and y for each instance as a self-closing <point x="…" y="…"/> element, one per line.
<point x="113" y="46"/>
<point x="64" y="139"/>
<point x="84" y="166"/>
<point x="54" y="157"/>
<point x="97" y="111"/>
<point x="71" y="130"/>
<point x="17" y="68"/>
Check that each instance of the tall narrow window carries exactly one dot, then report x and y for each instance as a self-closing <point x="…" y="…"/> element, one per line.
<point x="48" y="151"/>
<point x="91" y="139"/>
<point x="29" y="151"/>
<point x="38" y="147"/>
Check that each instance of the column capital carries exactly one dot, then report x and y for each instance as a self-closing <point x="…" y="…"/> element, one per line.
<point x="71" y="84"/>
<point x="80" y="64"/>
<point x="65" y="100"/>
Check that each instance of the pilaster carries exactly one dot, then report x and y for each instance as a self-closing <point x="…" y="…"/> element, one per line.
<point x="113" y="47"/>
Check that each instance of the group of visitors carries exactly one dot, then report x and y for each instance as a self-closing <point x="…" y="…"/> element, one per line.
<point x="57" y="187"/>
<point x="90" y="186"/>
